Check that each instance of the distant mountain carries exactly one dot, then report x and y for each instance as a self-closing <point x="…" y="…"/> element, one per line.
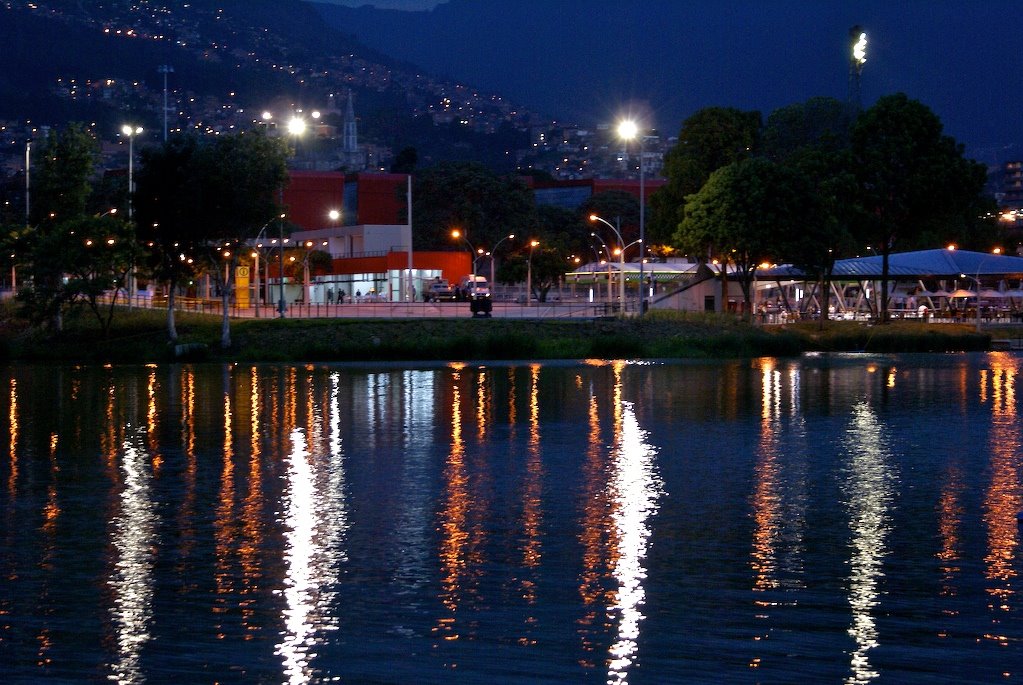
<point x="98" y="61"/>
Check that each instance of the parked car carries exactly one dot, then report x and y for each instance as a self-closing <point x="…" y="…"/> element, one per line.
<point x="438" y="290"/>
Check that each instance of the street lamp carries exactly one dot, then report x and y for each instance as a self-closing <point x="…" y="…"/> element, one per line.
<point x="493" y="253"/>
<point x="529" y="271"/>
<point x="296" y="127"/>
<point x="621" y="255"/>
<point x="458" y="235"/>
<point x="977" y="281"/>
<point x="608" y="250"/>
<point x="130" y="132"/>
<point x="629" y="130"/>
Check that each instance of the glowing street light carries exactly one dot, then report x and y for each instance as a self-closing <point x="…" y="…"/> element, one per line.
<point x="857" y="58"/>
<point x="529" y="271"/>
<point x="621" y="255"/>
<point x="493" y="253"/>
<point x="458" y="235"/>
<point x="629" y="130"/>
<point x="130" y="132"/>
<point x="608" y="251"/>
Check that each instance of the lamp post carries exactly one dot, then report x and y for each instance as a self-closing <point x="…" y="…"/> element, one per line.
<point x="458" y="235"/>
<point x="529" y="271"/>
<point x="493" y="253"/>
<point x="621" y="255"/>
<point x="255" y="256"/>
<point x="608" y="250"/>
<point x="629" y="130"/>
<point x="296" y="127"/>
<point x="977" y="281"/>
<point x="131" y="131"/>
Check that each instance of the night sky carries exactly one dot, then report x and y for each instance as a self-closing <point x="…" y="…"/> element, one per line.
<point x="585" y="61"/>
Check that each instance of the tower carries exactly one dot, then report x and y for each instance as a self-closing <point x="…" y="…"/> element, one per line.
<point x="351" y="136"/>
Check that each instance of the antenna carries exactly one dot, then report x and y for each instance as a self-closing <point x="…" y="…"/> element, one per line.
<point x="165" y="69"/>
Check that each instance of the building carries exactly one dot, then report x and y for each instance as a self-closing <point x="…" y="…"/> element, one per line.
<point x="369" y="241"/>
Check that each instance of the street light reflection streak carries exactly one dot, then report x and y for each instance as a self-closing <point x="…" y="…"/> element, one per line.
<point x="133" y="536"/>
<point x="869" y="489"/>
<point x="635" y="489"/>
<point x="316" y="520"/>
<point x="1003" y="498"/>
<point x="596" y="538"/>
<point x="12" y="420"/>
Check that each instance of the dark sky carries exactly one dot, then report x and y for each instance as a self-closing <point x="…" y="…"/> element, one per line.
<point x="587" y="60"/>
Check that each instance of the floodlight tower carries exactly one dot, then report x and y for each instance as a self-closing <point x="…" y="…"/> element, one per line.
<point x="857" y="56"/>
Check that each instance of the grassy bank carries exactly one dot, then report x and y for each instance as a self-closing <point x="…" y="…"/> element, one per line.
<point x="140" y="336"/>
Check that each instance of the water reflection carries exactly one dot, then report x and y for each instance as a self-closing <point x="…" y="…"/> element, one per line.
<point x="634" y="489"/>
<point x="309" y="524"/>
<point x="1004" y="496"/>
<point x="778" y="503"/>
<point x="133" y="537"/>
<point x="315" y="521"/>
<point x="869" y="489"/>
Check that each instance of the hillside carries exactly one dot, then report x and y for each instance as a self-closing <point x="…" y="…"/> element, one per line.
<point x="99" y="61"/>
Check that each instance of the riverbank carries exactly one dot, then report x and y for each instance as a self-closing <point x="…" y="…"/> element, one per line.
<point x="140" y="336"/>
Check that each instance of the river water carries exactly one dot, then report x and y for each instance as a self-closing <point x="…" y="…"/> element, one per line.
<point x="822" y="519"/>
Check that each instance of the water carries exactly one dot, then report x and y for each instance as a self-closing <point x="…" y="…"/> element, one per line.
<point x="827" y="519"/>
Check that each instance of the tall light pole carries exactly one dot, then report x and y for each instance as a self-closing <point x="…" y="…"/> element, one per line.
<point x="131" y="131"/>
<point x="529" y="271"/>
<point x="493" y="253"/>
<point x="608" y="250"/>
<point x="621" y="255"/>
<point x="296" y="127"/>
<point x="857" y="57"/>
<point x="629" y="130"/>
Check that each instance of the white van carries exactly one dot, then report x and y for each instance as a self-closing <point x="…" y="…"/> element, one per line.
<point x="472" y="288"/>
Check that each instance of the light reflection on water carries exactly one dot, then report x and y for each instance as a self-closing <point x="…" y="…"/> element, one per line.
<point x="516" y="523"/>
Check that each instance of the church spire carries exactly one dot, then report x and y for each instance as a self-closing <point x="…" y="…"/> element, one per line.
<point x="351" y="136"/>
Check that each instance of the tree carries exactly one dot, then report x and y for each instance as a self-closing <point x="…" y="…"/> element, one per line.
<point x="62" y="185"/>
<point x="910" y="177"/>
<point x="405" y="161"/>
<point x="237" y="179"/>
<point x="200" y="201"/>
<point x="812" y="138"/>
<point x="467" y="196"/>
<point x="98" y="254"/>
<point x="167" y="216"/>
<point x="544" y="269"/>
<point x="710" y="139"/>
<point x="742" y="214"/>
<point x="821" y="124"/>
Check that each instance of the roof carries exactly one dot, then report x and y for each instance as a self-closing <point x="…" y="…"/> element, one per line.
<point x="920" y="264"/>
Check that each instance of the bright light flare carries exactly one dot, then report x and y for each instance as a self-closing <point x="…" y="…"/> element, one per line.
<point x="859" y="50"/>
<point x="628" y="129"/>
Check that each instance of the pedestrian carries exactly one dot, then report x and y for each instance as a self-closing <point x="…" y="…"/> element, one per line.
<point x="330" y="295"/>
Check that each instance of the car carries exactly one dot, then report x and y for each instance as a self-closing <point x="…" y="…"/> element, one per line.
<point x="438" y="290"/>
